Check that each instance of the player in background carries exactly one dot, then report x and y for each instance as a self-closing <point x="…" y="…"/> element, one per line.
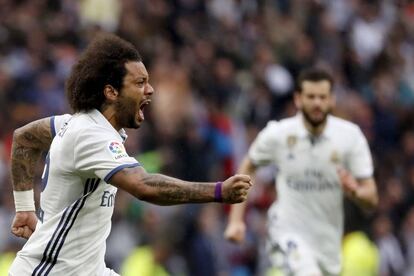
<point x="108" y="90"/>
<point x="319" y="158"/>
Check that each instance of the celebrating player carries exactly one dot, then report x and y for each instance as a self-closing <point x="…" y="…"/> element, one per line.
<point x="108" y="89"/>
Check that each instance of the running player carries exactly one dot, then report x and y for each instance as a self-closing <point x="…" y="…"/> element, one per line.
<point x="319" y="157"/>
<point x="108" y="89"/>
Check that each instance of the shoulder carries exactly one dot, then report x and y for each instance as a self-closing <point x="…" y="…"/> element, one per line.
<point x="271" y="130"/>
<point x="286" y="126"/>
<point x="344" y="130"/>
<point x="285" y="123"/>
<point x="83" y="127"/>
<point x="276" y="130"/>
<point x="290" y="123"/>
<point x="343" y="125"/>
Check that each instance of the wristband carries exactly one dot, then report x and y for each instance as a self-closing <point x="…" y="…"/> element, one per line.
<point x="23" y="201"/>
<point x="217" y="192"/>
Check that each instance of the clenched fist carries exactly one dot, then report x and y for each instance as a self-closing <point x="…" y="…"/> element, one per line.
<point x="235" y="231"/>
<point x="24" y="224"/>
<point x="235" y="188"/>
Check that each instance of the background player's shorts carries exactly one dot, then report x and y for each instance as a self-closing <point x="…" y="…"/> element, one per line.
<point x="291" y="256"/>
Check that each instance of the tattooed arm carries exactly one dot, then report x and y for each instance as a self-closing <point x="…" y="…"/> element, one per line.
<point x="164" y="190"/>
<point x="28" y="144"/>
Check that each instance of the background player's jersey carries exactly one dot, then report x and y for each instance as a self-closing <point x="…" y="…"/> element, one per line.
<point x="76" y="201"/>
<point x="310" y="197"/>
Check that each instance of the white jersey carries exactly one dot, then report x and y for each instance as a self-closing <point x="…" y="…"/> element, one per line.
<point x="310" y="197"/>
<point x="76" y="200"/>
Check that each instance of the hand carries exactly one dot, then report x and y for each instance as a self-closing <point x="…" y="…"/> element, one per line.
<point x="24" y="224"/>
<point x="235" y="188"/>
<point x="235" y="231"/>
<point x="348" y="182"/>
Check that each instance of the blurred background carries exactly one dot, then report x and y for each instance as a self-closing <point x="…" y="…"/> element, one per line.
<point x="221" y="69"/>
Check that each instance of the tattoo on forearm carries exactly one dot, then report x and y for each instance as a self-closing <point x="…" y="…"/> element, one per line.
<point x="171" y="190"/>
<point x="28" y="144"/>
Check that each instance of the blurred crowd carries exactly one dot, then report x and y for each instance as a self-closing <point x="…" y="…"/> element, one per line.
<point x="221" y="69"/>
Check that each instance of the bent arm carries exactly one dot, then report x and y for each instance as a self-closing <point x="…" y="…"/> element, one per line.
<point x="361" y="191"/>
<point x="28" y="144"/>
<point x="366" y="195"/>
<point x="164" y="190"/>
<point x="237" y="211"/>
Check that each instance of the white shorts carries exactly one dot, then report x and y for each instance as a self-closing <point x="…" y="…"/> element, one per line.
<point x="290" y="255"/>
<point x="110" y="272"/>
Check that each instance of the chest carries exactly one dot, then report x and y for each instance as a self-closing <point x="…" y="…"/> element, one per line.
<point x="297" y="153"/>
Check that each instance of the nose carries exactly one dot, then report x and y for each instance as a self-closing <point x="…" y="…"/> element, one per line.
<point x="317" y="101"/>
<point x="149" y="90"/>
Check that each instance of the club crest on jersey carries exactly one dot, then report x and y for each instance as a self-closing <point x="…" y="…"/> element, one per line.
<point x="117" y="150"/>
<point x="291" y="141"/>
<point x="335" y="157"/>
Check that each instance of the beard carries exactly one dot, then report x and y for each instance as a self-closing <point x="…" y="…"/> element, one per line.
<point x="125" y="113"/>
<point x="315" y="122"/>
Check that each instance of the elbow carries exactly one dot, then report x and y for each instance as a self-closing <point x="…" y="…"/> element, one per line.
<point x="374" y="199"/>
<point x="374" y="202"/>
<point x="371" y="205"/>
<point x="18" y="133"/>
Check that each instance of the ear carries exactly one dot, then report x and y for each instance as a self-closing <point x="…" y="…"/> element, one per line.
<point x="298" y="100"/>
<point x="111" y="94"/>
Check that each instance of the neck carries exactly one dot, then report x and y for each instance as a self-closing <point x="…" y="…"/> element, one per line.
<point x="315" y="130"/>
<point x="109" y="114"/>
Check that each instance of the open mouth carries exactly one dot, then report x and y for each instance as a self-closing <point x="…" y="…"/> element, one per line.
<point x="141" y="109"/>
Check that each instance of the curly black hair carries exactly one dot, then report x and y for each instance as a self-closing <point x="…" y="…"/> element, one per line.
<point x="102" y="63"/>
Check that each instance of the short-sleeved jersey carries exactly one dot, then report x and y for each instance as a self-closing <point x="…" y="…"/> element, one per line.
<point x="310" y="197"/>
<point x="76" y="200"/>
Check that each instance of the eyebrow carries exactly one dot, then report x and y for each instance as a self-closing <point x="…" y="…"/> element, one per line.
<point x="141" y="78"/>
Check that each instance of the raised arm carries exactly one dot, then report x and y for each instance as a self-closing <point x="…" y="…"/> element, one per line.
<point x="236" y="227"/>
<point x="28" y="144"/>
<point x="164" y="190"/>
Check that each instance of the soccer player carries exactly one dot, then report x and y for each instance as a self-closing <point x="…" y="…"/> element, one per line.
<point x="319" y="158"/>
<point x="108" y="89"/>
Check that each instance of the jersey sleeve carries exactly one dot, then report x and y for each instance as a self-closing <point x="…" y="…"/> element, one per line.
<point x="262" y="150"/>
<point x="101" y="152"/>
<point x="360" y="160"/>
<point x="57" y="122"/>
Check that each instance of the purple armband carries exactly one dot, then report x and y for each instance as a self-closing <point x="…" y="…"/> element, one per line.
<point x="217" y="192"/>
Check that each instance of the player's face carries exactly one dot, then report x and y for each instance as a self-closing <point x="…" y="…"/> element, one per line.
<point x="134" y="96"/>
<point x="315" y="101"/>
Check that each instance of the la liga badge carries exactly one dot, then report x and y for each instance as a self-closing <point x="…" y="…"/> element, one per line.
<point x="117" y="150"/>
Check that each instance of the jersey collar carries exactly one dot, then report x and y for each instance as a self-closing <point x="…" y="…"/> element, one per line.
<point x="100" y="119"/>
<point x="304" y="133"/>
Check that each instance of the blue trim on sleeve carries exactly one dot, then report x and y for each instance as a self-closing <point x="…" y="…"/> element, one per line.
<point x="117" y="169"/>
<point x="52" y="126"/>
